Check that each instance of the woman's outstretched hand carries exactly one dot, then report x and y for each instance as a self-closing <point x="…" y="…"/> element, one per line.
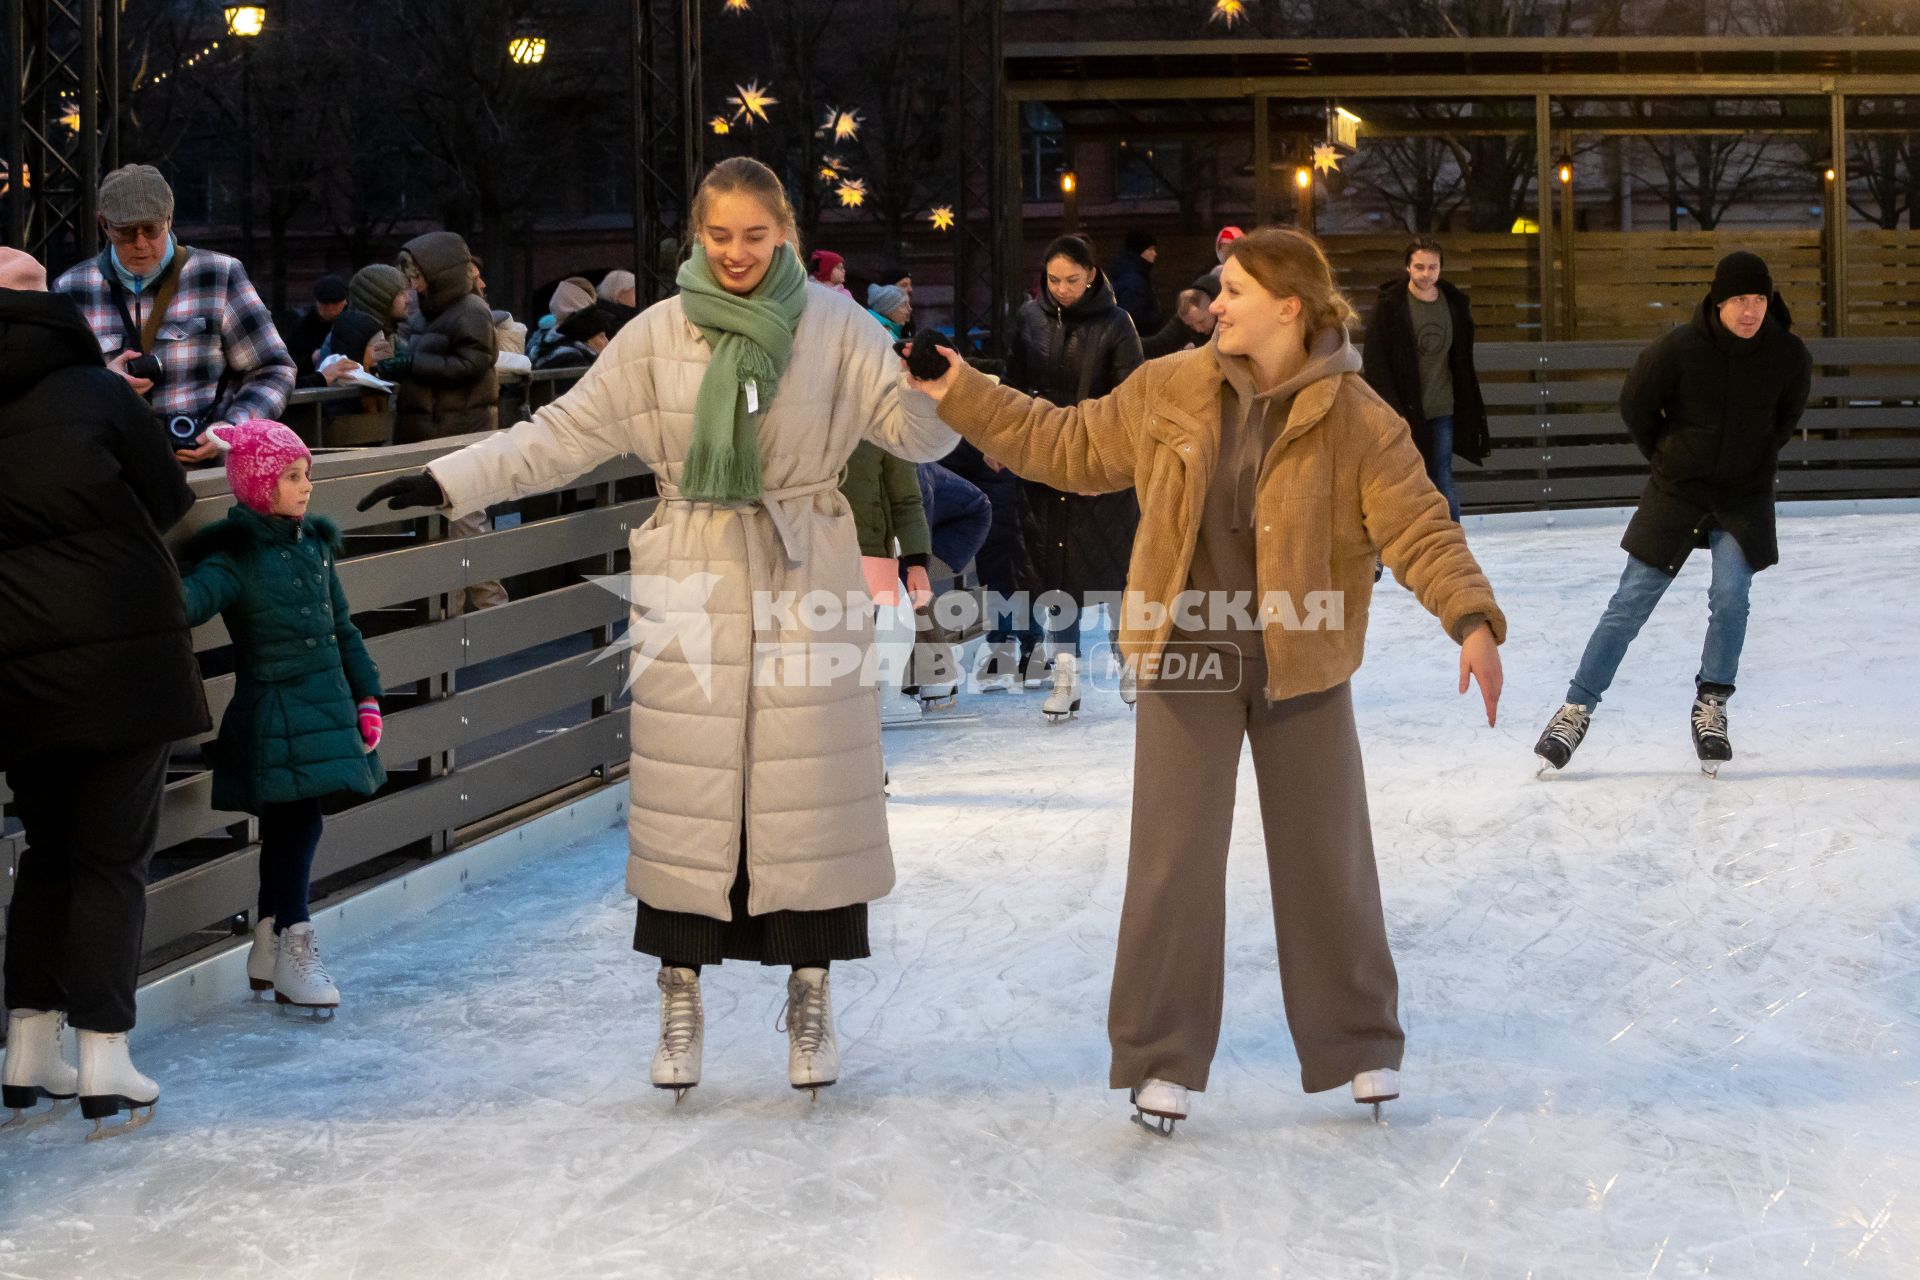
<point x="1480" y="660"/>
<point x="420" y="490"/>
<point x="935" y="387"/>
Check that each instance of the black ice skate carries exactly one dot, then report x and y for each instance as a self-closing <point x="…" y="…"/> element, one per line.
<point x="1710" y="741"/>
<point x="1562" y="736"/>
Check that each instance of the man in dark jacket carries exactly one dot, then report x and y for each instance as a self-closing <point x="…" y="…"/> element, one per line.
<point x="97" y="678"/>
<point x="1191" y="324"/>
<point x="1710" y="404"/>
<point x="310" y="331"/>
<point x="1419" y="358"/>
<point x="448" y="386"/>
<point x="1132" y="277"/>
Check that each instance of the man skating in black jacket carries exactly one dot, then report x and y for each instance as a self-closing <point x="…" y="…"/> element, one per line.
<point x="97" y="677"/>
<point x="1711" y="404"/>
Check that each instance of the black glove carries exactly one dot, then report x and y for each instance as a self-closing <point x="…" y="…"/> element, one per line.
<point x="925" y="361"/>
<point x="394" y="368"/>
<point x="420" y="490"/>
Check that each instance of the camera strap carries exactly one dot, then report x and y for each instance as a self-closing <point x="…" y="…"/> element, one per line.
<point x="163" y="291"/>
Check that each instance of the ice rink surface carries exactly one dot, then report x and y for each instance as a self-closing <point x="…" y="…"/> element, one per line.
<point x="1659" y="1025"/>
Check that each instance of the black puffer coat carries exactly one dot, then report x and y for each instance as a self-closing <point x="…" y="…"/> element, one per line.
<point x="95" y="655"/>
<point x="451" y="388"/>
<point x="1391" y="366"/>
<point x="1071" y="543"/>
<point x="1712" y="411"/>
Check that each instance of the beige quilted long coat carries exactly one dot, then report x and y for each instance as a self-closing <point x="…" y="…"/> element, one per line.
<point x="797" y="760"/>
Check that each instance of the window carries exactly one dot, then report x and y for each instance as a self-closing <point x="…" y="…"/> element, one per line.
<point x="1145" y="169"/>
<point x="1043" y="152"/>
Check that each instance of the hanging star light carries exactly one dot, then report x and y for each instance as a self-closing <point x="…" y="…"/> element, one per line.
<point x="843" y="125"/>
<point x="720" y="125"/>
<point x="735" y="6"/>
<point x="751" y="102"/>
<point x="852" y="193"/>
<point x="1228" y="11"/>
<point x="942" y="218"/>
<point x="1326" y="158"/>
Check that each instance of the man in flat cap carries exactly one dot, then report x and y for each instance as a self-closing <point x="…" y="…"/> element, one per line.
<point x="217" y="358"/>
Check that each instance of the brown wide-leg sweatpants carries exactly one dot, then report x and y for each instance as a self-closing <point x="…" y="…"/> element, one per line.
<point x="1336" y="972"/>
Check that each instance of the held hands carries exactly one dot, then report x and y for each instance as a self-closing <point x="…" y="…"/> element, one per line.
<point x="1480" y="660"/>
<point x="371" y="725"/>
<point x="418" y="490"/>
<point x="933" y="371"/>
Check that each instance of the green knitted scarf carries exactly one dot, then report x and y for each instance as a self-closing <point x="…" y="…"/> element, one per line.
<point x="752" y="340"/>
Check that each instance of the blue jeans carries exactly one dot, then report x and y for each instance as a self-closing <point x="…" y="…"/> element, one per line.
<point x="1439" y="459"/>
<point x="1641" y="587"/>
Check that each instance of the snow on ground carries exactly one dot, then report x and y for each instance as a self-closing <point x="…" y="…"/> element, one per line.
<point x="1659" y="1025"/>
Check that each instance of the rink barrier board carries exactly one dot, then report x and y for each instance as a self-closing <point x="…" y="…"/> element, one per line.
<point x="176" y="993"/>
<point x="1558" y="442"/>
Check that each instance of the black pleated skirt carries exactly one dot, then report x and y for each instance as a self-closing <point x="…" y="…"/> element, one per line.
<point x="778" y="938"/>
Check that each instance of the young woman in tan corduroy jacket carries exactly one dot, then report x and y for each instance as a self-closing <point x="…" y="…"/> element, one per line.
<point x="1269" y="476"/>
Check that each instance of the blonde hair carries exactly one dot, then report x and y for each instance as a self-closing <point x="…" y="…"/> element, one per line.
<point x="743" y="175"/>
<point x="1289" y="263"/>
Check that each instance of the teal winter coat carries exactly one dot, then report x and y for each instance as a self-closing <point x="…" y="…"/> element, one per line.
<point x="292" y="730"/>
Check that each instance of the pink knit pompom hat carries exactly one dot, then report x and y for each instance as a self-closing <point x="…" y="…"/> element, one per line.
<point x="258" y="450"/>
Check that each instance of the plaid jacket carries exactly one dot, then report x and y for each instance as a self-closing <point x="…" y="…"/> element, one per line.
<point x="215" y="324"/>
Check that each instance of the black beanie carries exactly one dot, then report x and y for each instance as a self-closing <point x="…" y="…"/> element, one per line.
<point x="1140" y="241"/>
<point x="329" y="289"/>
<point x="1739" y="274"/>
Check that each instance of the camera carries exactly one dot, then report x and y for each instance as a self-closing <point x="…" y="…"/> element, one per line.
<point x="183" y="429"/>
<point x="145" y="366"/>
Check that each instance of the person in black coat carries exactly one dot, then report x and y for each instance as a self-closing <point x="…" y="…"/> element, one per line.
<point x="1132" y="277"/>
<point x="1710" y="404"/>
<point x="97" y="678"/>
<point x="1072" y="343"/>
<point x="1191" y="324"/>
<point x="1419" y="358"/>
<point x="311" y="329"/>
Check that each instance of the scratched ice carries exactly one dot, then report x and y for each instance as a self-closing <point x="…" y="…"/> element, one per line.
<point x="1659" y="1025"/>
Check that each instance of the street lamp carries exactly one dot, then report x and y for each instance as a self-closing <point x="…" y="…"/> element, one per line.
<point x="246" y="20"/>
<point x="527" y="48"/>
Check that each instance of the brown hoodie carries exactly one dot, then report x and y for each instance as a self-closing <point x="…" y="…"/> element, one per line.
<point x="1250" y="422"/>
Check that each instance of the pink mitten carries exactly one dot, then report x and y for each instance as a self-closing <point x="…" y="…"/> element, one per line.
<point x="370" y="722"/>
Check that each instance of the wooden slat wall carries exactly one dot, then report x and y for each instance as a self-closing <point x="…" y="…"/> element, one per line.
<point x="1883" y="283"/>
<point x="1637" y="284"/>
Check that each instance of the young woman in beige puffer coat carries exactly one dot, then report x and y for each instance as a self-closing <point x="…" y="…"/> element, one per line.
<point x="757" y="829"/>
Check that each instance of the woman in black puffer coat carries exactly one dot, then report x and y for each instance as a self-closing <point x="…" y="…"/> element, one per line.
<point x="97" y="678"/>
<point x="1073" y="343"/>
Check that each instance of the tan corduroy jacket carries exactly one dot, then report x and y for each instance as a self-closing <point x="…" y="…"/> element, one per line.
<point x="1342" y="482"/>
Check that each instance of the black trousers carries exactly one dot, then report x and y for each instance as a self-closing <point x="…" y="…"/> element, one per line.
<point x="79" y="909"/>
<point x="797" y="938"/>
<point x="289" y="837"/>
